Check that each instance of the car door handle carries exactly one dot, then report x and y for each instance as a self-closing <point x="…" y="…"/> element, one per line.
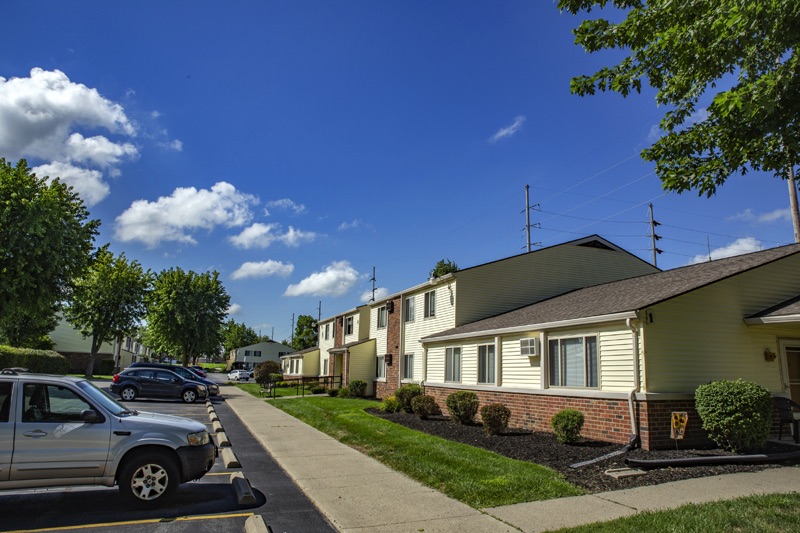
<point x="35" y="433"/>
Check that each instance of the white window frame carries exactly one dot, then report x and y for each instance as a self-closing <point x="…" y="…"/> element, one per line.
<point x="380" y="367"/>
<point x="430" y="304"/>
<point x="408" y="366"/>
<point x="528" y="346"/>
<point x="327" y="331"/>
<point x="558" y="373"/>
<point x="382" y="317"/>
<point x="487" y="361"/>
<point x="452" y="364"/>
<point x="409" y="309"/>
<point x="325" y="367"/>
<point x="348" y="325"/>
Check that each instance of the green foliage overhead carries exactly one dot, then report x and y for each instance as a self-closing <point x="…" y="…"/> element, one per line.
<point x="443" y="266"/>
<point x="186" y="312"/>
<point x="736" y="414"/>
<point x="744" y="52"/>
<point x="236" y="335"/>
<point x="45" y="242"/>
<point x="305" y="333"/>
<point x="108" y="300"/>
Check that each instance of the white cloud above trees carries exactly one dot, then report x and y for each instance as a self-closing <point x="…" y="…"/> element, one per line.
<point x="262" y="269"/>
<point x="337" y="279"/>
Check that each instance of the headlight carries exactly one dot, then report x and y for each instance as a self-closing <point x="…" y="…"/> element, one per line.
<point x="198" y="439"/>
<point x="202" y="387"/>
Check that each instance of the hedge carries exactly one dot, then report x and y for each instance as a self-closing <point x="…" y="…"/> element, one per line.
<point x="44" y="361"/>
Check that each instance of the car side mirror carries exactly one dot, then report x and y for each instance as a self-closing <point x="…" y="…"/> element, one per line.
<point x="176" y="380"/>
<point x="90" y="416"/>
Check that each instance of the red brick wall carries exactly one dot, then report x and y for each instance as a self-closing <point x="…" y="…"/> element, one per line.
<point x="393" y="325"/>
<point x="605" y="419"/>
<point x="338" y="339"/>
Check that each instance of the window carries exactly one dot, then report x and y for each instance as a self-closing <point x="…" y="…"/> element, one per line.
<point x="527" y="346"/>
<point x="486" y="364"/>
<point x="382" y="317"/>
<point x="409" y="309"/>
<point x="408" y="366"/>
<point x="51" y="403"/>
<point x="247" y="353"/>
<point x="325" y="367"/>
<point x="257" y="353"/>
<point x="430" y="304"/>
<point x="348" y="325"/>
<point x="327" y="331"/>
<point x="380" y="367"/>
<point x="452" y="364"/>
<point x="573" y="362"/>
<point x="5" y="402"/>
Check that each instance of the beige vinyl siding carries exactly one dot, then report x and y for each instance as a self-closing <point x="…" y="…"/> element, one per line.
<point x="362" y="364"/>
<point x="524" y="279"/>
<point x="379" y="334"/>
<point x="520" y="371"/>
<point x="69" y="340"/>
<point x="615" y="349"/>
<point x="311" y="363"/>
<point x="436" y="356"/>
<point x="353" y="337"/>
<point x="702" y="336"/>
<point x="325" y="344"/>
<point x="422" y="327"/>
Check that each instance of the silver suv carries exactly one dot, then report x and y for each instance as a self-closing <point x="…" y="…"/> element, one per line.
<point x="58" y="431"/>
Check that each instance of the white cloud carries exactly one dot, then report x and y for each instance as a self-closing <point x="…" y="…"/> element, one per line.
<point x="508" y="131"/>
<point x="380" y="293"/>
<point x="655" y="132"/>
<point x="175" y="146"/>
<point x="89" y="183"/>
<point x="263" y="235"/>
<point x="173" y="218"/>
<point x="745" y="245"/>
<point x="287" y="205"/>
<point x="39" y="116"/>
<point x="262" y="269"/>
<point x="748" y="215"/>
<point x="355" y="224"/>
<point x="336" y="280"/>
<point x="234" y="309"/>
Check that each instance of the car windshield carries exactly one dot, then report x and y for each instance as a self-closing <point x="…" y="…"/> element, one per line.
<point x="100" y="396"/>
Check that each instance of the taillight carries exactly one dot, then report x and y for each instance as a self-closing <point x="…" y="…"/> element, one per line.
<point x="115" y="378"/>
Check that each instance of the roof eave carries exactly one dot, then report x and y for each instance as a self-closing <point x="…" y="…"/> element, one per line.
<point x="783" y="319"/>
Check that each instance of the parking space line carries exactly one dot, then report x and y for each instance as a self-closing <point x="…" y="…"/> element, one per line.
<point x="135" y="522"/>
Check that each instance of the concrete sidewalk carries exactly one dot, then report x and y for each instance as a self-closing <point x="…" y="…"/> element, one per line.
<point x="357" y="493"/>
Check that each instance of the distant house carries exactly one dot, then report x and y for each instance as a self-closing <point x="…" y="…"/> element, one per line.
<point x="628" y="353"/>
<point x="304" y="363"/>
<point x="69" y="342"/>
<point x="249" y="356"/>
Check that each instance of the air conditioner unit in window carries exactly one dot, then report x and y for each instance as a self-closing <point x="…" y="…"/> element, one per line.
<point x="529" y="347"/>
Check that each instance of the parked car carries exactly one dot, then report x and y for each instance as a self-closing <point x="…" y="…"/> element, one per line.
<point x="58" y="431"/>
<point x="184" y="372"/>
<point x="240" y="374"/>
<point x="199" y="370"/>
<point x="132" y="383"/>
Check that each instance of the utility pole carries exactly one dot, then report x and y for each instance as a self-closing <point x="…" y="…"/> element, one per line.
<point x="528" y="224"/>
<point x="654" y="237"/>
<point x="793" y="203"/>
<point x="319" y="312"/>
<point x="373" y="285"/>
<point x="292" y="330"/>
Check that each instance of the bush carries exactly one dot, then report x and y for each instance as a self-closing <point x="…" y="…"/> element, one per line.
<point x="275" y="377"/>
<point x="264" y="372"/>
<point x="333" y="393"/>
<point x="424" y="406"/>
<point x="463" y="406"/>
<point x="391" y="404"/>
<point x="105" y="367"/>
<point x="405" y="394"/>
<point x="736" y="414"/>
<point x="44" y="361"/>
<point x="567" y="425"/>
<point x="495" y="418"/>
<point x="317" y="389"/>
<point x="345" y="392"/>
<point x="358" y="387"/>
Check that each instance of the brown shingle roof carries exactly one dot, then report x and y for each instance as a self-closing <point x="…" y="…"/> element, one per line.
<point x="625" y="295"/>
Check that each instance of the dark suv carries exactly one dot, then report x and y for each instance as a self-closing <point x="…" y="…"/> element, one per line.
<point x="156" y="383"/>
<point x="185" y="373"/>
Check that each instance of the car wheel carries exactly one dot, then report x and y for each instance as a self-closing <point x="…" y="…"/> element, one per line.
<point x="189" y="395"/>
<point x="148" y="478"/>
<point x="128" y="394"/>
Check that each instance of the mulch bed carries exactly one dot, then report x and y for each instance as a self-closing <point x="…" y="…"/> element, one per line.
<point x="542" y="448"/>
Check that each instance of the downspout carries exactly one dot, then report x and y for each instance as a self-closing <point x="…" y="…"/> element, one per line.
<point x="636" y="381"/>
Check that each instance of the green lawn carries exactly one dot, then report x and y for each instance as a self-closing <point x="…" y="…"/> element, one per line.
<point x="471" y="475"/>
<point x="765" y="513"/>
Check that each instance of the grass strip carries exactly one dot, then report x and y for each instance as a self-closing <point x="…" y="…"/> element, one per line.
<point x="474" y="476"/>
<point x="757" y="514"/>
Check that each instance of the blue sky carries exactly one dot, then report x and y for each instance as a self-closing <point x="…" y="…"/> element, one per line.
<point x="295" y="146"/>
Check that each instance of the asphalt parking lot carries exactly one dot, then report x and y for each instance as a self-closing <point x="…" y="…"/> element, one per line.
<point x="206" y="505"/>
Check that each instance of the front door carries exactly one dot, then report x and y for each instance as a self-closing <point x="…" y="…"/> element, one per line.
<point x="51" y="441"/>
<point x="791" y="355"/>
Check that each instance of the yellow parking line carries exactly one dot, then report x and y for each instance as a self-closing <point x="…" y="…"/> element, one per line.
<point x="135" y="522"/>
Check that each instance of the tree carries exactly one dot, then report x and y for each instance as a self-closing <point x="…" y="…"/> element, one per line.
<point x="683" y="49"/>
<point x="236" y="335"/>
<point x="186" y="312"/>
<point x="305" y="333"/>
<point x="444" y="266"/>
<point x="108" y="301"/>
<point x="45" y="242"/>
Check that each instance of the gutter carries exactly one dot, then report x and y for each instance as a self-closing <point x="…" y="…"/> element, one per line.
<point x="636" y="381"/>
